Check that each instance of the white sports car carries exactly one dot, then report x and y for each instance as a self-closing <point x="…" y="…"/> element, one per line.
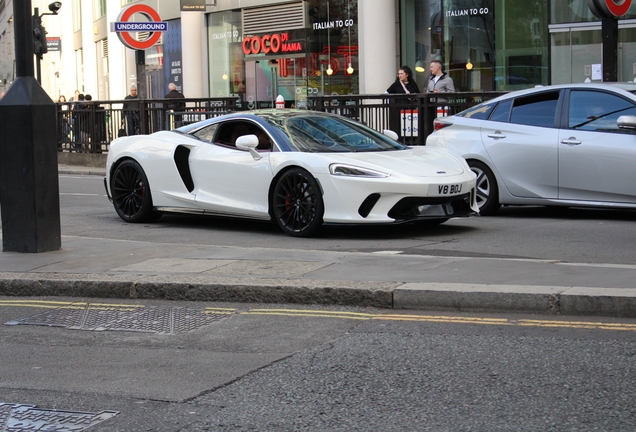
<point x="296" y="167"/>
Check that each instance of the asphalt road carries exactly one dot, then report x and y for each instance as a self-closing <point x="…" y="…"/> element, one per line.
<point x="290" y="367"/>
<point x="570" y="235"/>
<point x="284" y="368"/>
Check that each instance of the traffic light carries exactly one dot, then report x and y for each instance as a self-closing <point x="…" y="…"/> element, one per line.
<point x="39" y="36"/>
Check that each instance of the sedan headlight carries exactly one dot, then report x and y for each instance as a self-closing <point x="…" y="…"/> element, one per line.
<point x="354" y="171"/>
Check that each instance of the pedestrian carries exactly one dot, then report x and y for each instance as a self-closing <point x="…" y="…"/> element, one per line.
<point x="404" y="83"/>
<point x="64" y="120"/>
<point x="439" y="82"/>
<point x="174" y="106"/>
<point x="131" y="112"/>
<point x="79" y="118"/>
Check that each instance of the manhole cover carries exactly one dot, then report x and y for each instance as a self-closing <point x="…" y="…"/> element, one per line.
<point x="18" y="417"/>
<point x="101" y="317"/>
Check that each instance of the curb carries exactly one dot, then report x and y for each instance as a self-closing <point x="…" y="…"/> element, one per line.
<point x="389" y="295"/>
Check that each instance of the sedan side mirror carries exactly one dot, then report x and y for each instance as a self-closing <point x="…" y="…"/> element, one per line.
<point x="626" y="122"/>
<point x="249" y="143"/>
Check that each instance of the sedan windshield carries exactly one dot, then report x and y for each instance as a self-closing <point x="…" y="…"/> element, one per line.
<point x="326" y="134"/>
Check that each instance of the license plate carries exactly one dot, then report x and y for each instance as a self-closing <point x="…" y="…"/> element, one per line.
<point x="446" y="189"/>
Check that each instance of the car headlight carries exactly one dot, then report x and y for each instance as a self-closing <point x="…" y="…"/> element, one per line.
<point x="354" y="171"/>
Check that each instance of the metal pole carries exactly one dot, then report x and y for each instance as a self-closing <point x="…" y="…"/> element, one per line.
<point x="23" y="28"/>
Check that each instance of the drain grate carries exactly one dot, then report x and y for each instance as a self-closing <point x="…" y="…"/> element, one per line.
<point x="102" y="317"/>
<point x="18" y="417"/>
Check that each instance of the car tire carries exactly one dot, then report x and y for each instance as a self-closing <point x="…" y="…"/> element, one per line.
<point x="487" y="191"/>
<point x="297" y="204"/>
<point x="131" y="193"/>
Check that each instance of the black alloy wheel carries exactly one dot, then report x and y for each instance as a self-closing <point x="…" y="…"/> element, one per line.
<point x="131" y="193"/>
<point x="487" y="192"/>
<point x="297" y="203"/>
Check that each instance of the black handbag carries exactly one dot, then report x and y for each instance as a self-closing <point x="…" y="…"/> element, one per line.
<point x="121" y="133"/>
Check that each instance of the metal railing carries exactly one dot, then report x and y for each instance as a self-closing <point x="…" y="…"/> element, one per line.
<point x="410" y="116"/>
<point x="90" y="126"/>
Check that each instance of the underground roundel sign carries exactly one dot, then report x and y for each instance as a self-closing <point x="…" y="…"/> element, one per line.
<point x="126" y="29"/>
<point x="609" y="8"/>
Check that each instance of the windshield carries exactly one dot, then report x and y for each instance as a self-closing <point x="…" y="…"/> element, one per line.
<point x="326" y="134"/>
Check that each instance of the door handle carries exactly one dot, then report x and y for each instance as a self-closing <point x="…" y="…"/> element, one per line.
<point x="570" y="141"/>
<point x="496" y="135"/>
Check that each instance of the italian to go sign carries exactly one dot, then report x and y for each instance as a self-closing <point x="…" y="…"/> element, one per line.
<point x="125" y="28"/>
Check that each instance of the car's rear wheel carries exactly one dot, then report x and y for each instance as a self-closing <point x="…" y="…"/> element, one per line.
<point x="297" y="204"/>
<point x="131" y="193"/>
<point x="487" y="192"/>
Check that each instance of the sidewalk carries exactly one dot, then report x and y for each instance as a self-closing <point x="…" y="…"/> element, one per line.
<point x="104" y="268"/>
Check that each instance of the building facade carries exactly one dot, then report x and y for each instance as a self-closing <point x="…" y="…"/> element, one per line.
<point x="256" y="50"/>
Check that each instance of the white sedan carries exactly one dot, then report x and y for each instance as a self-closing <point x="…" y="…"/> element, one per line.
<point x="561" y="145"/>
<point x="299" y="168"/>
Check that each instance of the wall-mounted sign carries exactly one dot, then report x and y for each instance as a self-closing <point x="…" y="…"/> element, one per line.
<point x="193" y="5"/>
<point x="276" y="43"/>
<point x="609" y="8"/>
<point x="54" y="43"/>
<point x="126" y="28"/>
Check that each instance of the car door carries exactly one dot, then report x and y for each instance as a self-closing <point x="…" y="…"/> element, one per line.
<point x="597" y="160"/>
<point x="229" y="180"/>
<point x="520" y="139"/>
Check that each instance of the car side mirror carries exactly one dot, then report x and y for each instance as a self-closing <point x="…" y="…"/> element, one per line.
<point x="249" y="143"/>
<point x="391" y="134"/>
<point x="626" y="122"/>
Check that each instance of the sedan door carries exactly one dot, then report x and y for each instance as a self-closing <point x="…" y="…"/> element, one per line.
<point x="597" y="160"/>
<point x="521" y="140"/>
<point x="229" y="180"/>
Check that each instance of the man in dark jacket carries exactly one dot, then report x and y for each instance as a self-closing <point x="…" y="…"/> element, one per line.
<point x="131" y="111"/>
<point x="174" y="106"/>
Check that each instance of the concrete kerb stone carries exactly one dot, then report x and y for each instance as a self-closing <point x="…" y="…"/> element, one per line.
<point x="599" y="301"/>
<point x="517" y="298"/>
<point x="300" y="291"/>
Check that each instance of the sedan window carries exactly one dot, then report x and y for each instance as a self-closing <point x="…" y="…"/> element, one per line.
<point x="479" y="112"/>
<point x="502" y="112"/>
<point x="597" y="111"/>
<point x="535" y="110"/>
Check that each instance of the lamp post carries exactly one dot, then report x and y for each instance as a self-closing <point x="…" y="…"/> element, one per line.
<point x="29" y="188"/>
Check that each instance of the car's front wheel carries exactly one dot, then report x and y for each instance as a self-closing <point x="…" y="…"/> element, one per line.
<point x="487" y="192"/>
<point x="131" y="193"/>
<point x="297" y="204"/>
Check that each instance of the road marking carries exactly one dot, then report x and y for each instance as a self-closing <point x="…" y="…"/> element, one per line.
<point x="79" y="194"/>
<point x="443" y="319"/>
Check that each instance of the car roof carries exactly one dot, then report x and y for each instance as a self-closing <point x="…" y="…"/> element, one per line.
<point x="614" y="86"/>
<point x="257" y="116"/>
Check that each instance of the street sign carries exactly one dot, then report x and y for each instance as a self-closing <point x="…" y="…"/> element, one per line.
<point x="54" y="43"/>
<point x="609" y="8"/>
<point x="126" y="28"/>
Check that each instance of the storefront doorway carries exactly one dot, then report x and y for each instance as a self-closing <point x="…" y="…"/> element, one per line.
<point x="267" y="78"/>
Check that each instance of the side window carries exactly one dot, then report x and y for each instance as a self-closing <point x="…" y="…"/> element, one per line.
<point x="479" y="112"/>
<point x="502" y="112"/>
<point x="597" y="111"/>
<point x="206" y="134"/>
<point x="536" y="110"/>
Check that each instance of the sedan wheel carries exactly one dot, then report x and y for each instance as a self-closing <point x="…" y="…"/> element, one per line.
<point x="487" y="192"/>
<point x="297" y="203"/>
<point x="131" y="193"/>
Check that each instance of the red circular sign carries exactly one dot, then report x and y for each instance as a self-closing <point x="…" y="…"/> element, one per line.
<point x="127" y="38"/>
<point x="609" y="8"/>
<point x="618" y="8"/>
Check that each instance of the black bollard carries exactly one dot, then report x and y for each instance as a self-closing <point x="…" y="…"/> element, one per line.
<point x="29" y="187"/>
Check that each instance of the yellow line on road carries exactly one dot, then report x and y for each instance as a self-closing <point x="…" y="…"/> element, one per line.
<point x="444" y="319"/>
